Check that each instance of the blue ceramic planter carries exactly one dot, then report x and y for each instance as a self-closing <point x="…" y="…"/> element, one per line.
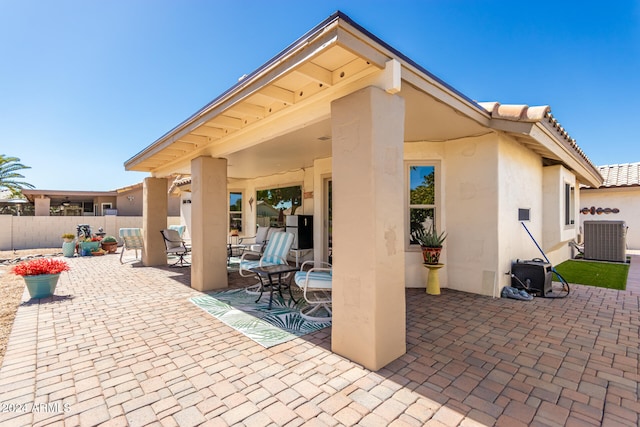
<point x="68" y="248"/>
<point x="87" y="247"/>
<point x="41" y="286"/>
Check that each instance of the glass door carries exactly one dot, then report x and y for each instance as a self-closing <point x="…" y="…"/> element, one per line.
<point x="328" y="220"/>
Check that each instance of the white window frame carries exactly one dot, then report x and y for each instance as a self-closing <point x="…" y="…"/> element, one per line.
<point x="437" y="214"/>
<point x="241" y="211"/>
<point x="569" y="204"/>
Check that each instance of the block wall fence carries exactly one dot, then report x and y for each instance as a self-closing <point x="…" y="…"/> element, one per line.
<point x="34" y="232"/>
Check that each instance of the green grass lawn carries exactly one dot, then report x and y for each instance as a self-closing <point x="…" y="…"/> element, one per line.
<point x="602" y="274"/>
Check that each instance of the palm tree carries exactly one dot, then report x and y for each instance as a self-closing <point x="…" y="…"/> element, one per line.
<point x="9" y="176"/>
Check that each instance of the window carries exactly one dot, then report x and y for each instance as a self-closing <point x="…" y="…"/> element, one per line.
<point x="569" y="204"/>
<point x="235" y="211"/>
<point x="422" y="199"/>
<point x="273" y="204"/>
<point x="87" y="207"/>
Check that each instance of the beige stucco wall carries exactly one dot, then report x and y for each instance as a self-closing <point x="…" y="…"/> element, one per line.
<point x="131" y="207"/>
<point x="42" y="206"/>
<point x="520" y="174"/>
<point x="471" y="202"/>
<point x="625" y="199"/>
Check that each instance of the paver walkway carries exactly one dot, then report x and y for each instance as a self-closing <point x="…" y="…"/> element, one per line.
<point x="121" y="345"/>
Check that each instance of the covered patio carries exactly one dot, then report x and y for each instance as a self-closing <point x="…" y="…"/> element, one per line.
<point x="346" y="117"/>
<point x="122" y="345"/>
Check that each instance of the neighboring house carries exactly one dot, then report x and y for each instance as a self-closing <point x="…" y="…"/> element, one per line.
<point x="618" y="199"/>
<point x="126" y="201"/>
<point x="11" y="205"/>
<point x="378" y="146"/>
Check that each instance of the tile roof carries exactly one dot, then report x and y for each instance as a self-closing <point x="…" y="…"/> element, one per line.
<point x="525" y="113"/>
<point x="623" y="175"/>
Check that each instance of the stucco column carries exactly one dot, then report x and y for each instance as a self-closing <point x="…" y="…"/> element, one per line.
<point x="209" y="204"/>
<point x="42" y="206"/>
<point x="154" y="219"/>
<point x="369" y="325"/>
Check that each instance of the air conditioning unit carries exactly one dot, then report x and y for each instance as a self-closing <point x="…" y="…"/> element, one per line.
<point x="605" y="240"/>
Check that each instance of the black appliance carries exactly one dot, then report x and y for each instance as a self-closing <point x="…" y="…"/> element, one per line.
<point x="302" y="227"/>
<point x="534" y="276"/>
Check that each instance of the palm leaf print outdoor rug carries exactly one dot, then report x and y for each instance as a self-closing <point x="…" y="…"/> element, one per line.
<point x="239" y="310"/>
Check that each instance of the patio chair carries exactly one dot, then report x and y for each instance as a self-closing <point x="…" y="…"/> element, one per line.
<point x="258" y="243"/>
<point x="132" y="240"/>
<point x="314" y="279"/>
<point x="179" y="228"/>
<point x="275" y="253"/>
<point x="174" y="245"/>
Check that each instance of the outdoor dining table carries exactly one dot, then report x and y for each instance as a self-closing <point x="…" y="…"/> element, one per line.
<point x="270" y="272"/>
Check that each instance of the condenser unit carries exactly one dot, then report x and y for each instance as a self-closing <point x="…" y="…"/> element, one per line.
<point x="605" y="240"/>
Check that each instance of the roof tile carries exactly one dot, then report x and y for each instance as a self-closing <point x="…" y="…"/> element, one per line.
<point x="622" y="175"/>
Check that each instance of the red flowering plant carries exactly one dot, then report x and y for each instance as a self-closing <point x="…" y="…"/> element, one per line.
<point x="38" y="266"/>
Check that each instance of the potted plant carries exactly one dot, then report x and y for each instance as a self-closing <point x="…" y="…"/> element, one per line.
<point x="68" y="245"/>
<point x="431" y="244"/>
<point x="86" y="245"/>
<point x="109" y="244"/>
<point x="40" y="275"/>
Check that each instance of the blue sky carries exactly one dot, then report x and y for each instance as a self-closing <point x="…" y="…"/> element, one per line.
<point x="85" y="85"/>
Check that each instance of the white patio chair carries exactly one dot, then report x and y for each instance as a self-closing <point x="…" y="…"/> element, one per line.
<point x="275" y="253"/>
<point x="257" y="243"/>
<point x="174" y="245"/>
<point x="132" y="240"/>
<point x="314" y="279"/>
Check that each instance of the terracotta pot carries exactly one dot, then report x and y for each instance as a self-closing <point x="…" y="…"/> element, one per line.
<point x="110" y="247"/>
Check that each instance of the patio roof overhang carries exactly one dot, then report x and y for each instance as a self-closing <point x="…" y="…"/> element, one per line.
<point x="278" y="118"/>
<point x="60" y="196"/>
<point x="538" y="130"/>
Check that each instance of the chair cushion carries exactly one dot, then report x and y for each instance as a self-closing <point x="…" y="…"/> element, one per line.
<point x="249" y="264"/>
<point x="132" y="238"/>
<point x="317" y="279"/>
<point x="179" y="228"/>
<point x="261" y="234"/>
<point x="136" y="232"/>
<point x="273" y="230"/>
<point x="278" y="248"/>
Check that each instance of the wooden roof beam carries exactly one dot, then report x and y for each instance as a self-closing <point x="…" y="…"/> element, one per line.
<point x="227" y="122"/>
<point x="278" y="94"/>
<point x="247" y="109"/>
<point x="316" y="73"/>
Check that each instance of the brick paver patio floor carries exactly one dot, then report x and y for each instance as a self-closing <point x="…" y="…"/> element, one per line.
<point x="122" y="345"/>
